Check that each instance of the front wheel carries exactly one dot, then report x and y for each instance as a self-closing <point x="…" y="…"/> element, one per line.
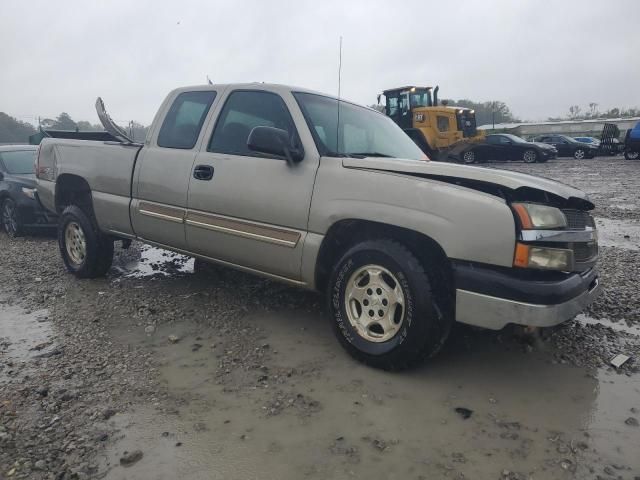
<point x="631" y="155"/>
<point x="86" y="252"/>
<point x="385" y="312"/>
<point x="10" y="218"/>
<point x="530" y="156"/>
<point x="579" y="154"/>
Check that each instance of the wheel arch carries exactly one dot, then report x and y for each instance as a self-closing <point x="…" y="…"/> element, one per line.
<point x="73" y="190"/>
<point x="345" y="233"/>
<point x="421" y="140"/>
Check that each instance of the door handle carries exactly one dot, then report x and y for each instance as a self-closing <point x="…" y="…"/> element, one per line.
<point x="203" y="172"/>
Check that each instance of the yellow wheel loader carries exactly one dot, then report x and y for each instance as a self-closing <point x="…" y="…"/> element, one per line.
<point x="442" y="132"/>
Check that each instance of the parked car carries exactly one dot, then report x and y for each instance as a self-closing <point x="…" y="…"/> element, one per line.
<point x="632" y="143"/>
<point x="19" y="207"/>
<point x="569" y="147"/>
<point x="612" y="146"/>
<point x="267" y="179"/>
<point x="503" y="146"/>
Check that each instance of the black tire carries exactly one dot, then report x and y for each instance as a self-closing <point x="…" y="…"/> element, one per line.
<point x="631" y="155"/>
<point x="579" y="154"/>
<point x="530" y="156"/>
<point x="11" y="218"/>
<point x="98" y="250"/>
<point x="423" y="327"/>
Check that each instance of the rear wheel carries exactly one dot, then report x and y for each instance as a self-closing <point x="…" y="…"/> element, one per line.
<point x="631" y="155"/>
<point x="469" y="156"/>
<point x="530" y="156"/>
<point x="385" y="313"/>
<point x="86" y="252"/>
<point x="11" y="218"/>
<point x="579" y="154"/>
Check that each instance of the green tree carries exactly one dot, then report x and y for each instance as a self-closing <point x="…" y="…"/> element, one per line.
<point x="494" y="111"/>
<point x="85" y="126"/>
<point x="13" y="130"/>
<point x="64" y="122"/>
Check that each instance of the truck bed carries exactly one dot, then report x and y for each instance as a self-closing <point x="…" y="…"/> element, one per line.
<point x="106" y="166"/>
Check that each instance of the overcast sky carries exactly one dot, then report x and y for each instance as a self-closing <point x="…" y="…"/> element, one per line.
<point x="538" y="57"/>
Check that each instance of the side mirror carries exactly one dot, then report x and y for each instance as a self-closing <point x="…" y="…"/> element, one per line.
<point x="274" y="141"/>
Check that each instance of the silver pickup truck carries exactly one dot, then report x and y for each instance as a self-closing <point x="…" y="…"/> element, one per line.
<point x="328" y="195"/>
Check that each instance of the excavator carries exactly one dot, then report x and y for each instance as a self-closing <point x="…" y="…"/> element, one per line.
<point x="442" y="132"/>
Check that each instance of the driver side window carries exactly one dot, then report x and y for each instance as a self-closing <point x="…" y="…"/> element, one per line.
<point x="243" y="111"/>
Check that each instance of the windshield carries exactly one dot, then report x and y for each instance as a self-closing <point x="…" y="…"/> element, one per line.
<point x="18" y="162"/>
<point x="421" y="98"/>
<point x="362" y="132"/>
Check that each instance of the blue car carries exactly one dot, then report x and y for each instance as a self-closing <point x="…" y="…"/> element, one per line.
<point x="632" y="143"/>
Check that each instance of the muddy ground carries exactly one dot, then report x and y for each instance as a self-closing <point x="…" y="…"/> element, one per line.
<point x="171" y="369"/>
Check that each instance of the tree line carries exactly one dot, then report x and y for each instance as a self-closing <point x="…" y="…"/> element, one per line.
<point x="13" y="130"/>
<point x="576" y="112"/>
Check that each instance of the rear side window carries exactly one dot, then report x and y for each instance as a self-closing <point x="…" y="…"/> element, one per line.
<point x="243" y="111"/>
<point x="184" y="120"/>
<point x="443" y="123"/>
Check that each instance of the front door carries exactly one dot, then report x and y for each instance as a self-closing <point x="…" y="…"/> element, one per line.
<point x="164" y="168"/>
<point x="253" y="210"/>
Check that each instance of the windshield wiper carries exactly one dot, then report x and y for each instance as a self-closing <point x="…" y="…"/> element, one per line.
<point x="369" y="154"/>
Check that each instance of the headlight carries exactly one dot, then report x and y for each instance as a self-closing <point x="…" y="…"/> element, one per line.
<point x="534" y="216"/>
<point x="29" y="192"/>
<point x="531" y="256"/>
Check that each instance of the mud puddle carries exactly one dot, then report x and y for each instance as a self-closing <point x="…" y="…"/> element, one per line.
<point x="622" y="326"/>
<point x="23" y="337"/>
<point x="618" y="233"/>
<point x="312" y="412"/>
<point x="155" y="261"/>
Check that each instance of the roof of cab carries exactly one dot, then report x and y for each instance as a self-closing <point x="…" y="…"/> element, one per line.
<point x="272" y="87"/>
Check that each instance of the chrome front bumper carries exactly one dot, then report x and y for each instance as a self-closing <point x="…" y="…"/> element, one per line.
<point x="495" y="313"/>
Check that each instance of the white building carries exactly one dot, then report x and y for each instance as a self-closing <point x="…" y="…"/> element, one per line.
<point x="572" y="128"/>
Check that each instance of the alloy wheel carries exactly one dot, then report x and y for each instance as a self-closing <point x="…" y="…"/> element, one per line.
<point x="75" y="243"/>
<point x="578" y="154"/>
<point x="469" y="156"/>
<point x="530" y="156"/>
<point x="374" y="302"/>
<point x="9" y="220"/>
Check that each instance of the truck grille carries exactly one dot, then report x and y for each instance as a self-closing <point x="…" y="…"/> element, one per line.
<point x="578" y="219"/>
<point x="584" y="252"/>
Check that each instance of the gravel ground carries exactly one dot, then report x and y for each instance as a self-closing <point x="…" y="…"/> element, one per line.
<point x="169" y="368"/>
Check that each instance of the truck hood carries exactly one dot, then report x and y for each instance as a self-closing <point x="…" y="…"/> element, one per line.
<point x="468" y="176"/>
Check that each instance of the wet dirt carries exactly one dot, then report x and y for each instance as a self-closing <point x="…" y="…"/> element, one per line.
<point x="211" y="373"/>
<point x="529" y="415"/>
<point x="24" y="337"/>
<point x="618" y="233"/>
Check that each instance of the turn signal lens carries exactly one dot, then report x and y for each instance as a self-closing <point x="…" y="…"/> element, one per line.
<point x="533" y="215"/>
<point x="521" y="258"/>
<point x="530" y="256"/>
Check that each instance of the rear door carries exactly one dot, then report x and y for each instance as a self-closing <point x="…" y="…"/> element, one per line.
<point x="487" y="150"/>
<point x="253" y="211"/>
<point x="562" y="145"/>
<point x="163" y="169"/>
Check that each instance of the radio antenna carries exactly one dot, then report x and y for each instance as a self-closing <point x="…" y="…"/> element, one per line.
<point x="339" y="85"/>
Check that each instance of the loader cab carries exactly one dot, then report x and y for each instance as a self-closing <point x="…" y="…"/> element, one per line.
<point x="400" y="103"/>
